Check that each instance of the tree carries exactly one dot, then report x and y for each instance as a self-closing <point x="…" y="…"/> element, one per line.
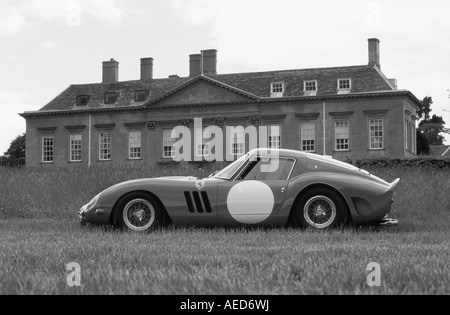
<point x="423" y="146"/>
<point x="15" y="156"/>
<point x="433" y="129"/>
<point x="425" y="108"/>
<point x="430" y="128"/>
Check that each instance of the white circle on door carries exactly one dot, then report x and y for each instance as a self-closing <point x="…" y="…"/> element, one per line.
<point x="250" y="202"/>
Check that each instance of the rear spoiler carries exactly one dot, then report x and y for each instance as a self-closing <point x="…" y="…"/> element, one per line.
<point x="394" y="185"/>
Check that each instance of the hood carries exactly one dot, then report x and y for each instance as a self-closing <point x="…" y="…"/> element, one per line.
<point x="188" y="178"/>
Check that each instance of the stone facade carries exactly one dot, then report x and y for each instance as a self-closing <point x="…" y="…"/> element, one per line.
<point x="364" y="116"/>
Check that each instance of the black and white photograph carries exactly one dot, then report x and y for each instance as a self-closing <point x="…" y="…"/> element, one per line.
<point x="224" y="156"/>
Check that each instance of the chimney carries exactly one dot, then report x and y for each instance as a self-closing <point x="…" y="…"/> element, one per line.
<point x="110" y="71"/>
<point x="394" y="83"/>
<point x="147" y="69"/>
<point x="210" y="62"/>
<point x="195" y="65"/>
<point x="374" y="52"/>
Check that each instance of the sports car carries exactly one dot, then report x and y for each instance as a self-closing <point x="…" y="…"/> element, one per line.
<point x="262" y="188"/>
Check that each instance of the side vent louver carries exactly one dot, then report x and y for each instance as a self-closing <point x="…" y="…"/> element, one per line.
<point x="189" y="202"/>
<point x="197" y="203"/>
<point x="206" y="202"/>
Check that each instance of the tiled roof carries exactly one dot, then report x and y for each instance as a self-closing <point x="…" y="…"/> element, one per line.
<point x="364" y="79"/>
<point x="68" y="99"/>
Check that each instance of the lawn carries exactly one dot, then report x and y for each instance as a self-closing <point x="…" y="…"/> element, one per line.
<point x="40" y="234"/>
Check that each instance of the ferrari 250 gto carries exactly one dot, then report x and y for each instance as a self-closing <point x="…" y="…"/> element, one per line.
<point x="304" y="190"/>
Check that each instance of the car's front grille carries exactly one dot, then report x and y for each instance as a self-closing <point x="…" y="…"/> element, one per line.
<point x="198" y="203"/>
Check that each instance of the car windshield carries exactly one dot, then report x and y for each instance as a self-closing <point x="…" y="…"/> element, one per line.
<point x="229" y="171"/>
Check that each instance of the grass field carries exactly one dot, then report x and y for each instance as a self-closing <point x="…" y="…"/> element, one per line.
<point x="40" y="234"/>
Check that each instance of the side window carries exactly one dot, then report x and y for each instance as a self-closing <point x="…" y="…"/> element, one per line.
<point x="256" y="170"/>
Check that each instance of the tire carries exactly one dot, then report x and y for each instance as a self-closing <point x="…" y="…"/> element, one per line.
<point x="320" y="209"/>
<point x="138" y="212"/>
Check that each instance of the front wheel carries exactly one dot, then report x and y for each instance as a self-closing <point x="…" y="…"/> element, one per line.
<point x="138" y="212"/>
<point x="320" y="209"/>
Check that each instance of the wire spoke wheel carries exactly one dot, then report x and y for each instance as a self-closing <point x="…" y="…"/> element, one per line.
<point x="139" y="215"/>
<point x="320" y="212"/>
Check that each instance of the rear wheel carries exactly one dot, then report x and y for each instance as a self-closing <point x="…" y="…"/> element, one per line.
<point x="138" y="212"/>
<point x="320" y="209"/>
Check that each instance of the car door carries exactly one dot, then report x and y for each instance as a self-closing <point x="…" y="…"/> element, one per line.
<point x="257" y="194"/>
<point x="192" y="202"/>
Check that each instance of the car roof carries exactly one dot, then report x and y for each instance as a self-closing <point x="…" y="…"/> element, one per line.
<point x="280" y="152"/>
<point x="302" y="155"/>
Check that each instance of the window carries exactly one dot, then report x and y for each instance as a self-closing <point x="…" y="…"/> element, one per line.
<point x="135" y="145"/>
<point x="141" y="96"/>
<point x="344" y="84"/>
<point x="274" y="137"/>
<point x="376" y="134"/>
<point x="202" y="149"/>
<point x="308" y="137"/>
<point x="48" y="147"/>
<point x="409" y="135"/>
<point x="111" y="97"/>
<point x="238" y="141"/>
<point x="342" y="134"/>
<point x="82" y="100"/>
<point x="76" y="148"/>
<point x="310" y="86"/>
<point x="258" y="169"/>
<point x="105" y="146"/>
<point x="168" y="144"/>
<point x="406" y="134"/>
<point x="277" y="89"/>
<point x="412" y="135"/>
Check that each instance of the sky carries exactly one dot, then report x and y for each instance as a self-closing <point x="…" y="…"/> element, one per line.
<point x="47" y="45"/>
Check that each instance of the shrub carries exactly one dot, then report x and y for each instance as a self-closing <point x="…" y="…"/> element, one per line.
<point x="433" y="163"/>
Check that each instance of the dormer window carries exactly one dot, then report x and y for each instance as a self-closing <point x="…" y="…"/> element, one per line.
<point x="344" y="86"/>
<point x="310" y="88"/>
<point x="82" y="100"/>
<point x="141" y="96"/>
<point x="111" y="97"/>
<point x="277" y="89"/>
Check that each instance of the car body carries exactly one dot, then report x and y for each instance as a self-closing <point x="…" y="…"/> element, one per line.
<point x="263" y="188"/>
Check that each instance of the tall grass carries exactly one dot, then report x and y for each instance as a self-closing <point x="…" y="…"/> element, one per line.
<point x="33" y="252"/>
<point x="49" y="193"/>
<point x="55" y="193"/>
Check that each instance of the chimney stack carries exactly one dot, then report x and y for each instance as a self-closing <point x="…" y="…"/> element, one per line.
<point x="374" y="52"/>
<point x="203" y="63"/>
<point x="394" y="83"/>
<point x="195" y="65"/>
<point x="210" y="62"/>
<point x="147" y="69"/>
<point x="110" y="71"/>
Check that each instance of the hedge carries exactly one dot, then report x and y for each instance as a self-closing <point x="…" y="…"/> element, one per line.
<point x="437" y="163"/>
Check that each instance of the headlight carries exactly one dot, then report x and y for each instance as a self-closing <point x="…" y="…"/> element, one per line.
<point x="91" y="204"/>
